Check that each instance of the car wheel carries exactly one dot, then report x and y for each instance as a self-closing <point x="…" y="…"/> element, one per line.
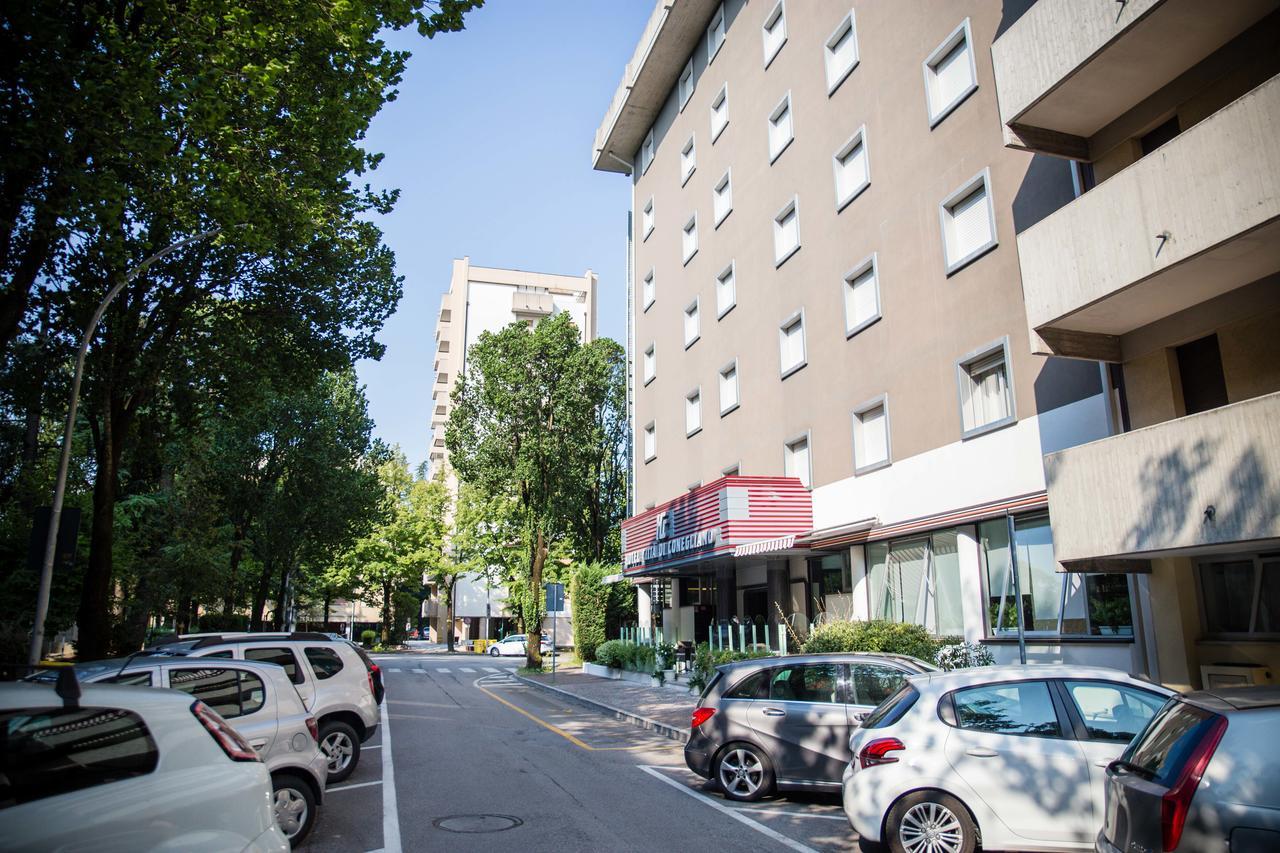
<point x="294" y="806"/>
<point x="744" y="772"/>
<point x="340" y="743"/>
<point x="494" y="651"/>
<point x="930" y="821"/>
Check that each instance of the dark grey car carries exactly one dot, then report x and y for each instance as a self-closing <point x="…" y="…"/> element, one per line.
<point x="784" y="722"/>
<point x="1204" y="775"/>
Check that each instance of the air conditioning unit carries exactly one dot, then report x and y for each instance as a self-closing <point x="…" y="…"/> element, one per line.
<point x="1233" y="675"/>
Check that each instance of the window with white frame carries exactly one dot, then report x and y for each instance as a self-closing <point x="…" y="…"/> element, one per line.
<point x="781" y="130"/>
<point x="871" y="435"/>
<point x="646" y="152"/>
<point x="650" y="363"/>
<point x="689" y="238"/>
<point x="791" y="351"/>
<point x="692" y="324"/>
<point x="986" y="389"/>
<point x="840" y="54"/>
<point x="949" y="74"/>
<point x="795" y="460"/>
<point x="650" y="441"/>
<point x="852" y="169"/>
<point x="693" y="412"/>
<point x="861" y="297"/>
<point x="726" y="290"/>
<point x="715" y="34"/>
<point x="650" y="290"/>
<point x="686" y="83"/>
<point x="786" y="232"/>
<point x="720" y="112"/>
<point x="729" y="388"/>
<point x="688" y="160"/>
<point x="646" y="219"/>
<point x="968" y="222"/>
<point x="774" y="31"/>
<point x="722" y="197"/>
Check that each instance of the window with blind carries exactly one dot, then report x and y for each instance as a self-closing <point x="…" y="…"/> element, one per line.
<point x="650" y="363"/>
<point x="722" y="197"/>
<point x="719" y="112"/>
<point x="688" y="160"/>
<point x="852" y="170"/>
<point x="780" y="128"/>
<point x="689" y="238"/>
<point x="728" y="388"/>
<point x="650" y="290"/>
<point x="871" y="436"/>
<point x="968" y="223"/>
<point x="840" y="54"/>
<point x="650" y="441"/>
<point x="949" y="73"/>
<point x="693" y="412"/>
<point x="786" y="232"/>
<point x="715" y="34"/>
<point x="646" y="219"/>
<point x="917" y="581"/>
<point x="692" y="324"/>
<point x="774" y="32"/>
<point x="686" y="83"/>
<point x="861" y="297"/>
<point x="726" y="290"/>
<point x="795" y="460"/>
<point x="1241" y="596"/>
<point x="986" y="394"/>
<point x="791" y="344"/>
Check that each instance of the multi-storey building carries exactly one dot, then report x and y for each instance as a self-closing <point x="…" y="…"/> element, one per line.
<point x="1166" y="269"/>
<point x="484" y="299"/>
<point x="837" y="407"/>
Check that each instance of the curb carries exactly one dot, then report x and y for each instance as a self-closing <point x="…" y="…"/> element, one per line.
<point x="660" y="728"/>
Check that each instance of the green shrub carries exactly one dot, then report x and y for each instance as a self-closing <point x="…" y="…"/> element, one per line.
<point x="642" y="660"/>
<point x="705" y="662"/>
<point x="666" y="655"/>
<point x="367" y="638"/>
<point x="613" y="653"/>
<point x="590" y="597"/>
<point x="214" y="622"/>
<point x="875" y="635"/>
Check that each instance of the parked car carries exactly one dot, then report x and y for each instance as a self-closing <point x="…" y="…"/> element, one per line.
<point x="1013" y="755"/>
<point x="116" y="769"/>
<point x="1202" y="776"/>
<point x="260" y="702"/>
<point x="516" y="645"/>
<point x="784" y="722"/>
<point x="332" y="679"/>
<point x="375" y="672"/>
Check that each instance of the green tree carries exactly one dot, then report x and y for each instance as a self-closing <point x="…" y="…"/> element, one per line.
<point x="424" y="519"/>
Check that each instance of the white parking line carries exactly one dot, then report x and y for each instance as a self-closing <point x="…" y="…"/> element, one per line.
<point x="367" y="748"/>
<point x="353" y="787"/>
<point x="392" y="669"/>
<point x="390" y="815"/>
<point x="733" y="813"/>
<point x="468" y="669"/>
<point x="491" y="669"/>
<point x="786" y="813"/>
<point x="442" y="669"/>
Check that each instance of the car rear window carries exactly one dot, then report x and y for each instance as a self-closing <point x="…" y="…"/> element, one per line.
<point x="45" y="752"/>
<point x="1168" y="741"/>
<point x="892" y="709"/>
<point x="231" y="692"/>
<point x="706" y="691"/>
<point x="752" y="687"/>
<point x="325" y="662"/>
<point x="283" y="657"/>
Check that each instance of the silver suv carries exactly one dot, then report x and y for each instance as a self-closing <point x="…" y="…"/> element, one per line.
<point x="330" y="677"/>
<point x="784" y="722"/>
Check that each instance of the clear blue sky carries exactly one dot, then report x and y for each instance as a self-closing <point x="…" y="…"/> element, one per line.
<point x="489" y="142"/>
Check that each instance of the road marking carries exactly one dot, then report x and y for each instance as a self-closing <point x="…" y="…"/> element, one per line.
<point x="390" y="815"/>
<point x="468" y="669"/>
<point x="785" y="813"/>
<point x="442" y="669"/>
<point x="352" y="787"/>
<point x="392" y="669"/>
<point x="733" y="813"/>
<point x="367" y="748"/>
<point x="491" y="669"/>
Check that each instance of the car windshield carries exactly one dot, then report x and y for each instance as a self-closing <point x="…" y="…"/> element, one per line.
<point x="1168" y="741"/>
<point x="891" y="710"/>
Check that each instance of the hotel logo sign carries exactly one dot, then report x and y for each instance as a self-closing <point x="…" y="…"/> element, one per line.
<point x="664" y="548"/>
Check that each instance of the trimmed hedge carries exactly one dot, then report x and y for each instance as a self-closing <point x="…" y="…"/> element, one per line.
<point x="589" y="597"/>
<point x="705" y="662"/>
<point x="876" y="635"/>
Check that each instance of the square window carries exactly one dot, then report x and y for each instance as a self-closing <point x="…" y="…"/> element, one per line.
<point x="780" y="128"/>
<point x="861" y="297"/>
<point x="650" y="363"/>
<point x="646" y="219"/>
<point x="650" y="290"/>
<point x="686" y="83"/>
<point x="791" y="350"/>
<point x="715" y="34"/>
<point x="949" y="74"/>
<point x="871" y="435"/>
<point x="986" y="389"/>
<point x="968" y="222"/>
<point x="728" y="388"/>
<point x="720" y="113"/>
<point x="650" y="441"/>
<point x="786" y="232"/>
<point x="689" y="238"/>
<point x="795" y="460"/>
<point x="726" y="291"/>
<point x="840" y="53"/>
<point x="774" y="32"/>
<point x="692" y="324"/>
<point x="722" y="197"/>
<point x="693" y="412"/>
<point x="688" y="161"/>
<point x="852" y="169"/>
<point x="646" y="152"/>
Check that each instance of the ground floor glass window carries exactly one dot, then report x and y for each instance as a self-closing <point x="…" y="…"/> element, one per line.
<point x="918" y="581"/>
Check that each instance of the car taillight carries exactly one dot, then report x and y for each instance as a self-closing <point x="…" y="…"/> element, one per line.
<point x="313" y="728"/>
<point x="1176" y="802"/>
<point x="231" y="741"/>
<point x="701" y="715"/>
<point x="877" y="752"/>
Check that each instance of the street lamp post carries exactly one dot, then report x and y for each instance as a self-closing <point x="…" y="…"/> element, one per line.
<point x="60" y="487"/>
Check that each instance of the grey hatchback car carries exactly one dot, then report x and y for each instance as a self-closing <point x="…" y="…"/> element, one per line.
<point x="783" y="723"/>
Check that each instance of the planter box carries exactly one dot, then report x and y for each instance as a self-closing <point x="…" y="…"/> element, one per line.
<point x="627" y="675"/>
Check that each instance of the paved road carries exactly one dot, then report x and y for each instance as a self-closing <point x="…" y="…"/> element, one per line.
<point x="478" y="761"/>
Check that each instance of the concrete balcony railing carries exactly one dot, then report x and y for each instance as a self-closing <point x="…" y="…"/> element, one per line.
<point x="1196" y="218"/>
<point x="1067" y="69"/>
<point x="532" y="303"/>
<point x="1207" y="479"/>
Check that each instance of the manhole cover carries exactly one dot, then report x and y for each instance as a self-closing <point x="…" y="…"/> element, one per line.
<point x="476" y="822"/>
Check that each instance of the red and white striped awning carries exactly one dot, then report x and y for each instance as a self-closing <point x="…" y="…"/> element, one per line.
<point x="766" y="546"/>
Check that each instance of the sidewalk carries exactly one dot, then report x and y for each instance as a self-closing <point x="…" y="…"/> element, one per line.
<point x="663" y="710"/>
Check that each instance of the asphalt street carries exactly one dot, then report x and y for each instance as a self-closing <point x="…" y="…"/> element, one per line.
<point x="469" y="758"/>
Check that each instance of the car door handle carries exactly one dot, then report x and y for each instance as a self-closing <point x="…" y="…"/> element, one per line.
<point x="1104" y="763"/>
<point x="774" y="712"/>
<point x="258" y="744"/>
<point x="981" y="753"/>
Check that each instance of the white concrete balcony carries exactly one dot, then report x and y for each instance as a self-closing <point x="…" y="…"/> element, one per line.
<point x="532" y="303"/>
<point x="1196" y="218"/>
<point x="1067" y="69"/>
<point x="1186" y="485"/>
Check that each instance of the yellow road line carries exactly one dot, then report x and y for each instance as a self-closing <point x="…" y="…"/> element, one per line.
<point x="566" y="735"/>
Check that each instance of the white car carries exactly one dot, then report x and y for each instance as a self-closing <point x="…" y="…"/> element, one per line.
<point x="1011" y="757"/>
<point x="515" y="645"/>
<point x="128" y="769"/>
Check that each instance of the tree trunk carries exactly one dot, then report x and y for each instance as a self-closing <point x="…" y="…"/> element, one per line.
<point x="237" y="553"/>
<point x="533" y="633"/>
<point x="448" y="609"/>
<point x="94" y="616"/>
<point x="281" y="619"/>
<point x="260" y="596"/>
<point x="328" y="597"/>
<point x="386" y="612"/>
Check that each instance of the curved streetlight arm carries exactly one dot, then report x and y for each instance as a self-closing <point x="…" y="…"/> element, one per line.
<point x="60" y="488"/>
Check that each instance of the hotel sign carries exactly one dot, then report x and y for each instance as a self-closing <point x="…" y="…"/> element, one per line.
<point x="665" y="549"/>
